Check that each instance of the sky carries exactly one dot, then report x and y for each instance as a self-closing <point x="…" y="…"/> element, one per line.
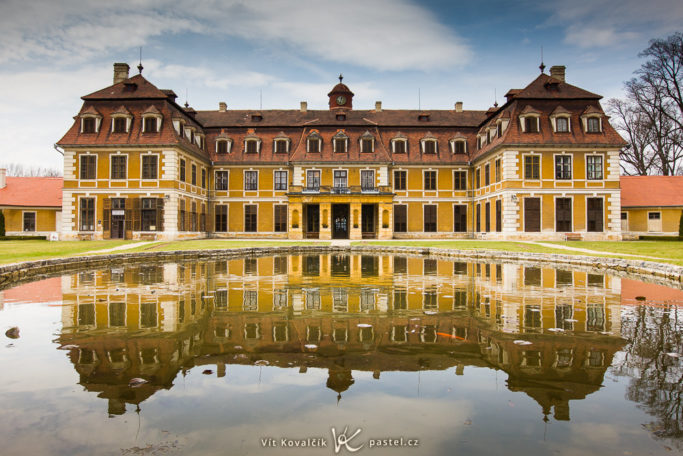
<point x="272" y="54"/>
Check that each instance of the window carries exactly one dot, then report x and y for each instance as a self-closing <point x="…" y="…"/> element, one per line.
<point x="313" y="144"/>
<point x="87" y="214"/>
<point x="280" y="218"/>
<point x="595" y="214"/>
<point x="250" y="218"/>
<point x="654" y="215"/>
<point x="182" y="170"/>
<point x="340" y="178"/>
<point x="118" y="166"/>
<point x="120" y="125"/>
<point x="430" y="180"/>
<point x="281" y="146"/>
<point x="499" y="129"/>
<point x="562" y="124"/>
<point x="399" y="180"/>
<point x="593" y="125"/>
<point x="459" y="147"/>
<point x="478" y="216"/>
<point x="532" y="167"/>
<point x="477" y="178"/>
<point x="340" y="145"/>
<point x="193" y="217"/>
<point x="594" y="167"/>
<point x="148" y="214"/>
<point x="29" y="221"/>
<point x="367" y="179"/>
<point x="181" y="216"/>
<point x="499" y="216"/>
<point x="400" y="146"/>
<point x="429" y="146"/>
<point x="498" y="170"/>
<point x="280" y="180"/>
<point x="460" y="218"/>
<point x="221" y="180"/>
<point x="150" y="125"/>
<point x="563" y="167"/>
<point x="89" y="125"/>
<point x="149" y="166"/>
<point x="487" y="217"/>
<point x="222" y="146"/>
<point x="251" y="180"/>
<point x="487" y="174"/>
<point x="88" y="166"/>
<point x="313" y="180"/>
<point x="221" y="218"/>
<point x="563" y="215"/>
<point x="531" y="124"/>
<point x="430" y="218"/>
<point x="251" y="146"/>
<point x="460" y="180"/>
<point x="194" y="174"/>
<point x="367" y="145"/>
<point x="400" y="218"/>
<point x="203" y="178"/>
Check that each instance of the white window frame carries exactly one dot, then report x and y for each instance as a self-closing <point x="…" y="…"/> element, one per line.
<point x="393" y="180"/>
<point x="374" y="179"/>
<point x="147" y="154"/>
<point x="320" y="178"/>
<point x="244" y="178"/>
<point x="540" y="166"/>
<point x="454" y="180"/>
<point x="571" y="167"/>
<point x="555" y="198"/>
<point x="159" y="119"/>
<point x="228" y="145"/>
<point x="314" y="136"/>
<point x="98" y="121"/>
<point x="252" y="139"/>
<point x="129" y="121"/>
<point x="522" y="121"/>
<point x="436" y="184"/>
<point x="424" y="141"/>
<point x="554" y="118"/>
<point x="286" y="180"/>
<point x="602" y="170"/>
<point x="393" y="145"/>
<point x="80" y="164"/>
<point x="35" y="221"/>
<point x="453" y="141"/>
<point x="366" y="136"/>
<point x="215" y="179"/>
<point x="278" y="140"/>
<point x="340" y="135"/>
<point x="111" y="169"/>
<point x="585" y="118"/>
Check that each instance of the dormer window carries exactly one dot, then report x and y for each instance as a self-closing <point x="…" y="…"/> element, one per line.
<point x="341" y="116"/>
<point x="458" y="146"/>
<point x="149" y="125"/>
<point x="531" y="124"/>
<point x="429" y="146"/>
<point x="399" y="146"/>
<point x="252" y="145"/>
<point x="562" y="125"/>
<point x="179" y="127"/>
<point x="424" y="117"/>
<point x="281" y="145"/>
<point x="367" y="143"/>
<point x="257" y="117"/>
<point x="89" y="125"/>
<point x="340" y="143"/>
<point x="560" y="120"/>
<point x="488" y="136"/>
<point x="119" y="125"/>
<point x="593" y="125"/>
<point x="529" y="120"/>
<point x="499" y="129"/>
<point x="151" y="120"/>
<point x="313" y="143"/>
<point x="199" y="140"/>
<point x="223" y="145"/>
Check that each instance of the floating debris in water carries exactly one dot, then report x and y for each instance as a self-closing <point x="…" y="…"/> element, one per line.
<point x="68" y="347"/>
<point x="13" y="332"/>
<point x="430" y="312"/>
<point x="207" y="297"/>
<point x="533" y="309"/>
<point x="310" y="346"/>
<point x="606" y="333"/>
<point x="364" y="325"/>
<point x="555" y="329"/>
<point x="522" y="342"/>
<point x="238" y="347"/>
<point x="207" y="372"/>
<point x="136" y="382"/>
<point x="674" y="355"/>
<point x="261" y="362"/>
<point x="571" y="320"/>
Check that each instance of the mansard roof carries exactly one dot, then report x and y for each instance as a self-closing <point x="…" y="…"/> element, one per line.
<point x="131" y="88"/>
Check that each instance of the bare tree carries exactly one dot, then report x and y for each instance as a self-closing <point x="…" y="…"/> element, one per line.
<point x="19" y="170"/>
<point x="637" y="158"/>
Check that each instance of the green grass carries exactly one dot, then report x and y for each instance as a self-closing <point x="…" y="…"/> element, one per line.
<point x="509" y="246"/>
<point x="207" y="244"/>
<point x="15" y="251"/>
<point x="672" y="251"/>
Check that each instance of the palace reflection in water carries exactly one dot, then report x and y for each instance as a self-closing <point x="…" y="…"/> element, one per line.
<point x="344" y="314"/>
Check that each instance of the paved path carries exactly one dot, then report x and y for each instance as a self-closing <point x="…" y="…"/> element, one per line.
<point x="579" y="249"/>
<point x="340" y="243"/>
<point x="124" y="247"/>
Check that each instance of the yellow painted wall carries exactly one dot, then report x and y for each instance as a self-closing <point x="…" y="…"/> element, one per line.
<point x="45" y="219"/>
<point x="637" y="218"/>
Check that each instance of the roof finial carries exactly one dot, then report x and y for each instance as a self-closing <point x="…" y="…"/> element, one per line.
<point x="140" y="67"/>
<point x="542" y="65"/>
<point x="340" y="78"/>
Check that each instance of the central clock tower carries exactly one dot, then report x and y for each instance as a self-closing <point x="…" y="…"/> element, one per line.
<point x="340" y="96"/>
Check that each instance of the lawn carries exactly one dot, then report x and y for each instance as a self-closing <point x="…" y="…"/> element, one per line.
<point x="207" y="244"/>
<point x="15" y="251"/>
<point x="670" y="250"/>
<point x="509" y="246"/>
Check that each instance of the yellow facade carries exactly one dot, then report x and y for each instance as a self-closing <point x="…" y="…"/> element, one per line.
<point x="45" y="221"/>
<point x="651" y="220"/>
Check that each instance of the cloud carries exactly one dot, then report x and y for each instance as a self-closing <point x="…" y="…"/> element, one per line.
<point x="383" y="34"/>
<point x="605" y="23"/>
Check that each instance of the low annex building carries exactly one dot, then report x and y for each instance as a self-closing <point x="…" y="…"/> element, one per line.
<point x="651" y="205"/>
<point x="32" y="206"/>
<point x="139" y="165"/>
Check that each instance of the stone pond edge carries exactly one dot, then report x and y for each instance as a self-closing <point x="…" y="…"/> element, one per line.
<point x="20" y="272"/>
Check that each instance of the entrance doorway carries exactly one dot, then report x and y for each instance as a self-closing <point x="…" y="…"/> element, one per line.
<point x="118" y="218"/>
<point x="369" y="221"/>
<point x="340" y="221"/>
<point x="312" y="221"/>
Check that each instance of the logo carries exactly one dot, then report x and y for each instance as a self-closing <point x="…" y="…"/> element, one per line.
<point x="342" y="440"/>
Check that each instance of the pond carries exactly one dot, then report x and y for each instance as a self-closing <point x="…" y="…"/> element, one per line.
<point x="327" y="354"/>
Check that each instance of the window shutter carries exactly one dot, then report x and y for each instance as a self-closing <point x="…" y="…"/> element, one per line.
<point x="129" y="215"/>
<point x="106" y="213"/>
<point x="136" y="214"/>
<point x="160" y="214"/>
<point x="188" y="216"/>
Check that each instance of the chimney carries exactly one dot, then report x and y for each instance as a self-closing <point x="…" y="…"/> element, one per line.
<point x="378" y="106"/>
<point x="120" y="72"/>
<point x="3" y="178"/>
<point x="557" y="72"/>
<point x="222" y="106"/>
<point x="304" y="106"/>
<point x="458" y="106"/>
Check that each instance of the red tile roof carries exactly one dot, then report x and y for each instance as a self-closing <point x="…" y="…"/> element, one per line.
<point x="32" y="192"/>
<point x="651" y="191"/>
<point x="547" y="87"/>
<point x="135" y="87"/>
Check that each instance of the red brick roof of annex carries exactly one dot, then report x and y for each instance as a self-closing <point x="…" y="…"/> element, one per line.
<point x="651" y="191"/>
<point x="32" y="192"/>
<point x="543" y="94"/>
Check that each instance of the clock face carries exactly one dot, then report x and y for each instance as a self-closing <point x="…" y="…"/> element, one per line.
<point x="341" y="100"/>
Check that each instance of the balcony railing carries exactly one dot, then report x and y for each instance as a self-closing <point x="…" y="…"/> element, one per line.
<point x="340" y="190"/>
<point x="328" y="189"/>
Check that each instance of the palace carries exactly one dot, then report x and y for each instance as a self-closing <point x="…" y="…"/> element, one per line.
<point x="543" y="165"/>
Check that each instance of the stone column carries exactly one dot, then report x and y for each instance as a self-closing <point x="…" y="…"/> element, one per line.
<point x="355" y="222"/>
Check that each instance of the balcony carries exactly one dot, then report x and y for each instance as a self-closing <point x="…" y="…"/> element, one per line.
<point x="337" y="190"/>
<point x="330" y="190"/>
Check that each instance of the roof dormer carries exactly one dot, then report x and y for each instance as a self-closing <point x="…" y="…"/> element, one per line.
<point x="121" y="120"/>
<point x="91" y="120"/>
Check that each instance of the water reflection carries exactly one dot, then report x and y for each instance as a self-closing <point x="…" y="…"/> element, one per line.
<point x="556" y="334"/>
